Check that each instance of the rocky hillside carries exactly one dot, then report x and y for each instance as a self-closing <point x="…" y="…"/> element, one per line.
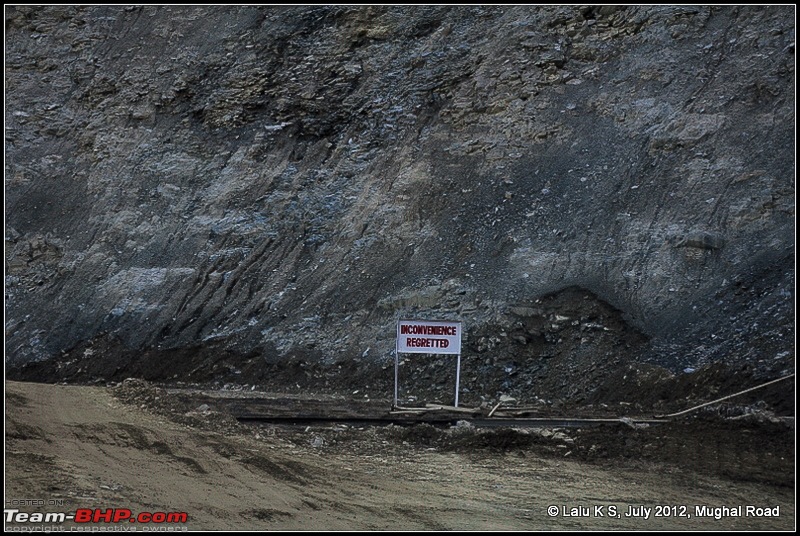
<point x="220" y="190"/>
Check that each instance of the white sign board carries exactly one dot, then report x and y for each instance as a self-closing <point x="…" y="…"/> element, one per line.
<point x="427" y="337"/>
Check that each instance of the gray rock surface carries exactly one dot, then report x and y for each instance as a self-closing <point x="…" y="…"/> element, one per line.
<point x="286" y="182"/>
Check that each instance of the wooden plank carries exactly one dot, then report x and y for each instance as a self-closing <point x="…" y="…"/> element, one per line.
<point x="495" y="408"/>
<point x="452" y="408"/>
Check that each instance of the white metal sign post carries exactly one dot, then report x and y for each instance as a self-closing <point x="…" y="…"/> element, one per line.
<point x="427" y="337"/>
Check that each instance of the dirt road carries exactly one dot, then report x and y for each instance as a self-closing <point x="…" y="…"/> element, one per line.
<point x="83" y="446"/>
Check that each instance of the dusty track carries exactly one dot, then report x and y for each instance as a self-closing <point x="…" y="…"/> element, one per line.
<point x="82" y="445"/>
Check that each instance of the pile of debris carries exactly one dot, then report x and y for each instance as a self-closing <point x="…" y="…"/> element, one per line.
<point x="176" y="407"/>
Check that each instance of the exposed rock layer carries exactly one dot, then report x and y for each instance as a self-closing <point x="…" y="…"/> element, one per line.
<point x="287" y="182"/>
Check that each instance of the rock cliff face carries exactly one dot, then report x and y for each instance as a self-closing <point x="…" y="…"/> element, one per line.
<point x="579" y="185"/>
